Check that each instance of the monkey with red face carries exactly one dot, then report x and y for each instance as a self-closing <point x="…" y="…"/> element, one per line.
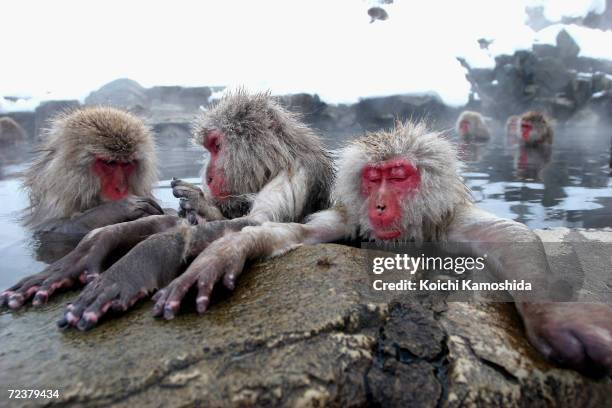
<point x="97" y="167"/>
<point x="265" y="165"/>
<point x="404" y="185"/>
<point x="472" y="126"/>
<point x="535" y="130"/>
<point x="255" y="146"/>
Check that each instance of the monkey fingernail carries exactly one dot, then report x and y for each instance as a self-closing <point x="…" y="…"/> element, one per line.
<point x="4" y="297"/>
<point x="202" y="303"/>
<point x="71" y="319"/>
<point x="85" y="325"/>
<point x="40" y="298"/>
<point x="15" y="301"/>
<point x="158" y="310"/>
<point x="170" y="309"/>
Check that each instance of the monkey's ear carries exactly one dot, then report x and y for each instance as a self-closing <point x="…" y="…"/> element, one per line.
<point x="398" y="124"/>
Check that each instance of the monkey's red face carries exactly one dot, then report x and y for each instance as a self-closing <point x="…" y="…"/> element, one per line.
<point x="464" y="127"/>
<point x="114" y="177"/>
<point x="526" y="129"/>
<point x="385" y="185"/>
<point x="215" y="179"/>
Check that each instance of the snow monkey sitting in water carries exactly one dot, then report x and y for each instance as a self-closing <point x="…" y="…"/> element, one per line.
<point x="403" y="185"/>
<point x="472" y="126"/>
<point x="97" y="167"/>
<point x="535" y="129"/>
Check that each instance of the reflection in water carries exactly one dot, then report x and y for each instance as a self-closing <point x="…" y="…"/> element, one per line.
<point x="530" y="162"/>
<point x="569" y="185"/>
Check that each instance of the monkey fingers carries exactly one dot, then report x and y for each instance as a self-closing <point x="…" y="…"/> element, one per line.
<point x="578" y="335"/>
<point x="143" y="206"/>
<point x="84" y="263"/>
<point x="223" y="259"/>
<point x="188" y="191"/>
<point x="151" y="264"/>
<point x="78" y="266"/>
<point x="100" y="296"/>
<point x="15" y="296"/>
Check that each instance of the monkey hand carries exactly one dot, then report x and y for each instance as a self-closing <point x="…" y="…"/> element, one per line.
<point x="223" y="260"/>
<point x="78" y="267"/>
<point x="194" y="203"/>
<point x="577" y="335"/>
<point x="104" y="293"/>
<point x="151" y="264"/>
<point x="131" y="209"/>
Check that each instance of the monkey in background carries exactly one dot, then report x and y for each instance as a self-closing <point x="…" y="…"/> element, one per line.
<point x="96" y="167"/>
<point x="10" y="132"/>
<point x="265" y="165"/>
<point x="513" y="126"/>
<point x="472" y="126"/>
<point x="404" y="186"/>
<point x="535" y="130"/>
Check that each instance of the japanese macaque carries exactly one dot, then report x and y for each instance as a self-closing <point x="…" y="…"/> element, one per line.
<point x="97" y="167"/>
<point x="256" y="146"/>
<point x="265" y="165"/>
<point x="472" y="126"/>
<point x="404" y="185"/>
<point x="10" y="132"/>
<point x="513" y="126"/>
<point x="535" y="130"/>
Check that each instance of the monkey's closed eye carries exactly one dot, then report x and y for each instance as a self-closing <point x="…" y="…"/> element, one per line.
<point x="373" y="175"/>
<point x="398" y="174"/>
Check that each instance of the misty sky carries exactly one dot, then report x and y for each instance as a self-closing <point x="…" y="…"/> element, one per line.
<point x="64" y="49"/>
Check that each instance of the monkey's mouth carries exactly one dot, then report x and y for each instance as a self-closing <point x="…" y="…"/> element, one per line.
<point x="387" y="234"/>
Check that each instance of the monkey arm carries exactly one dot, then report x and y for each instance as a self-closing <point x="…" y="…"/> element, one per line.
<point x="152" y="263"/>
<point x="574" y="334"/>
<point x="281" y="200"/>
<point x="118" y="288"/>
<point x="224" y="258"/>
<point x="105" y="214"/>
<point x="84" y="262"/>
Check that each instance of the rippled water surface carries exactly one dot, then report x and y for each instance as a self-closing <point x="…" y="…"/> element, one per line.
<point x="567" y="186"/>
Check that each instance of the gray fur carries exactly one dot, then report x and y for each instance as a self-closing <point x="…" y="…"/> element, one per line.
<point x="60" y="182"/>
<point x="542" y="132"/>
<point x="429" y="211"/>
<point x="265" y="140"/>
<point x="11" y="132"/>
<point x="478" y="127"/>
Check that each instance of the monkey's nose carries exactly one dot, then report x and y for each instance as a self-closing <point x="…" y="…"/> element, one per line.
<point x="380" y="207"/>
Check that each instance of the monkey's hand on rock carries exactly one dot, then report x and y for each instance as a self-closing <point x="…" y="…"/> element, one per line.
<point x="577" y="335"/>
<point x="83" y="263"/>
<point x="150" y="265"/>
<point x="194" y="203"/>
<point x="223" y="260"/>
<point x="77" y="267"/>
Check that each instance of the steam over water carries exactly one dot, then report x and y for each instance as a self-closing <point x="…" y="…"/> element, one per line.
<point x="569" y="187"/>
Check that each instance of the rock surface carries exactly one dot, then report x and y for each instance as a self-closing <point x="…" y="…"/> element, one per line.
<point x="300" y="330"/>
<point x="551" y="78"/>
